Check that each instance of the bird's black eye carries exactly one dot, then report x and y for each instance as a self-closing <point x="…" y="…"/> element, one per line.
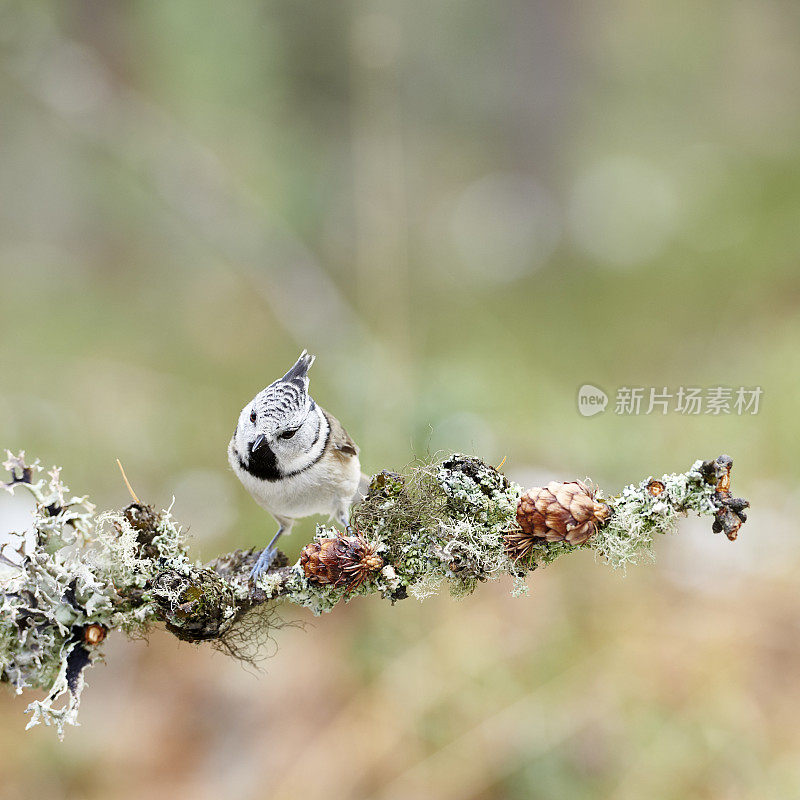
<point x="253" y="416"/>
<point x="288" y="434"/>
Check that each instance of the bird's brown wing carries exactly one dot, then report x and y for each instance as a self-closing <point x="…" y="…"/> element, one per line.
<point x="340" y="440"/>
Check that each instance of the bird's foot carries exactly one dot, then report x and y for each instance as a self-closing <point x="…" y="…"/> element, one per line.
<point x="265" y="561"/>
<point x="344" y="521"/>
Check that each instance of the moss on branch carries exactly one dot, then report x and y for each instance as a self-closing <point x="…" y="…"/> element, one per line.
<point x="451" y="522"/>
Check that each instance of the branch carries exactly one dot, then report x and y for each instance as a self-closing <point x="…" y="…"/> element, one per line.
<point x="457" y="522"/>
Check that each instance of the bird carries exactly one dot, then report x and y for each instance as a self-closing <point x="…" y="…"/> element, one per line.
<point x="293" y="457"/>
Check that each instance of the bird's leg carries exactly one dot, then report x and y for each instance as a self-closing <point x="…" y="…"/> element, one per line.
<point x="266" y="557"/>
<point x="343" y="518"/>
<point x="268" y="554"/>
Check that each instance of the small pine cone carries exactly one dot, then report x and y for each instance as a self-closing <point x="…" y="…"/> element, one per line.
<point x="558" y="512"/>
<point x="341" y="561"/>
<point x="318" y="561"/>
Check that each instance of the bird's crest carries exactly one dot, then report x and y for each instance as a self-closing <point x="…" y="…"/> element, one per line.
<point x="285" y="402"/>
<point x="299" y="372"/>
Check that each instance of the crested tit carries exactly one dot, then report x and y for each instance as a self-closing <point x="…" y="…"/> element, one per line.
<point x="293" y="457"/>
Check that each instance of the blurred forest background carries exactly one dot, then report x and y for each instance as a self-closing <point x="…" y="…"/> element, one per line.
<point x="467" y="211"/>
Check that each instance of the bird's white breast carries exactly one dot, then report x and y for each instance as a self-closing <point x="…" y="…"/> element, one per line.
<point x="322" y="488"/>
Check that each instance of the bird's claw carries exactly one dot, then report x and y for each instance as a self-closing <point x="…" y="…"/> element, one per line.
<point x="265" y="561"/>
<point x="343" y="520"/>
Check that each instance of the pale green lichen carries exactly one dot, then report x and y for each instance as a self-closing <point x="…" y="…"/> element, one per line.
<point x="638" y="516"/>
<point x="482" y="505"/>
<point x="118" y="553"/>
<point x="69" y="580"/>
<point x="271" y="583"/>
<point x="402" y="512"/>
<point x="442" y="520"/>
<point x="426" y="586"/>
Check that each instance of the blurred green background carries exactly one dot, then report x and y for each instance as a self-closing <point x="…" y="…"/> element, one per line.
<point x="467" y="211"/>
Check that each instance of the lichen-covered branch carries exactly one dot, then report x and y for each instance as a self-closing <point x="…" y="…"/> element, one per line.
<point x="456" y="522"/>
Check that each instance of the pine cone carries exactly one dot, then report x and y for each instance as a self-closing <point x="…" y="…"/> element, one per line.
<point x="341" y="561"/>
<point x="558" y="512"/>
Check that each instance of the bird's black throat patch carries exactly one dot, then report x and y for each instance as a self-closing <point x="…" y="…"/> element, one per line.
<point x="262" y="464"/>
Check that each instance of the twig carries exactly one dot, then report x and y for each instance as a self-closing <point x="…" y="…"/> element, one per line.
<point x="128" y="483"/>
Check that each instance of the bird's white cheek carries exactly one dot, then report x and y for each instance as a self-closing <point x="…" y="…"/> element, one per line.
<point x="288" y="457"/>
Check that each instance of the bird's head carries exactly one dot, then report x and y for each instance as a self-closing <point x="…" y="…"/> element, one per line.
<point x="279" y="428"/>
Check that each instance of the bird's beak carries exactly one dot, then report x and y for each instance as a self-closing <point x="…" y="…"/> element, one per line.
<point x="258" y="442"/>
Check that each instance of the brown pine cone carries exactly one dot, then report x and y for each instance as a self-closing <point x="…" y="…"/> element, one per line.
<point x="341" y="561"/>
<point x="558" y="512"/>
